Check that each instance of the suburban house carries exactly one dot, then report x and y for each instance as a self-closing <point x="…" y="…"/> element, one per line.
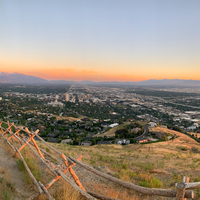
<point x="52" y="135"/>
<point x="152" y="139"/>
<point x="135" y="130"/>
<point x="104" y="142"/>
<point x="66" y="141"/>
<point x="152" y="124"/>
<point x="88" y="143"/>
<point x="54" y="140"/>
<point x="122" y="141"/>
<point x="113" y="125"/>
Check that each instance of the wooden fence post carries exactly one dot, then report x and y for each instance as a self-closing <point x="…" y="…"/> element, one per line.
<point x="180" y="191"/>
<point x="186" y="180"/>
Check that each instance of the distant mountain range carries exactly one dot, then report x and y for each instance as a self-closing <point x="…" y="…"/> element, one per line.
<point x="18" y="78"/>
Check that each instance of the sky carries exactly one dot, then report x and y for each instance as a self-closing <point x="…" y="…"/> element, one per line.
<point x="101" y="40"/>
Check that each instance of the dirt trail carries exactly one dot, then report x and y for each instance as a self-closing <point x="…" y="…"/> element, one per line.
<point x="9" y="164"/>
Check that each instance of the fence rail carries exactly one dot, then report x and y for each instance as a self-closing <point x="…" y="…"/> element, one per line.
<point x="183" y="189"/>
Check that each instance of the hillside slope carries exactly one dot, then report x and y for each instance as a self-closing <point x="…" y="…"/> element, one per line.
<point x="157" y="165"/>
<point x="152" y="165"/>
<point x="12" y="184"/>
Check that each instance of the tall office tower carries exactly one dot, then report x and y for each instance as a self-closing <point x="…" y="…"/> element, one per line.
<point x="66" y="97"/>
<point x="88" y="97"/>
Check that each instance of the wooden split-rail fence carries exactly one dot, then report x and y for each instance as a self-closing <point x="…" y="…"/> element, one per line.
<point x="183" y="189"/>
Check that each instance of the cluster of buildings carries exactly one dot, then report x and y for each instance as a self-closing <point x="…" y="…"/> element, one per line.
<point x="150" y="109"/>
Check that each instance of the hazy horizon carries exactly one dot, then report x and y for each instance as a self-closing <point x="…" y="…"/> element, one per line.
<point x="101" y="40"/>
<point x="20" y="76"/>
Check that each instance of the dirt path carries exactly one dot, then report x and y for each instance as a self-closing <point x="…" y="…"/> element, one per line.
<point x="9" y="164"/>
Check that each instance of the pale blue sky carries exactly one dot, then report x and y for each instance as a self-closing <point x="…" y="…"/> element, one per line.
<point x="135" y="36"/>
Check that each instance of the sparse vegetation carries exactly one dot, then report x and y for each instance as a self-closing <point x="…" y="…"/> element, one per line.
<point x="150" y="182"/>
<point x="139" y="164"/>
<point x="6" y="187"/>
<point x="181" y="148"/>
<point x="33" y="166"/>
<point x="194" y="150"/>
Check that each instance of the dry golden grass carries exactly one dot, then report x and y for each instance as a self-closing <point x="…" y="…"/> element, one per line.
<point x="71" y="119"/>
<point x="7" y="188"/>
<point x="166" y="162"/>
<point x="62" y="191"/>
<point x="156" y="165"/>
<point x="115" y="192"/>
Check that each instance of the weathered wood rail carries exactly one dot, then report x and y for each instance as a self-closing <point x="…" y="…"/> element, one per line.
<point x="183" y="189"/>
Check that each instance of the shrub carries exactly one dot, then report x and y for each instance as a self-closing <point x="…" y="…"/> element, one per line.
<point x="198" y="192"/>
<point x="160" y="164"/>
<point x="197" y="179"/>
<point x="147" y="156"/>
<point x="181" y="148"/>
<point x="92" y="162"/>
<point x="131" y="174"/>
<point x="167" y="156"/>
<point x="123" y="166"/>
<point x="196" y="159"/>
<point x="147" y="166"/>
<point x="47" y="149"/>
<point x="152" y="183"/>
<point x="135" y="155"/>
<point x="6" y="189"/>
<point x="194" y="150"/>
<point x="144" y="183"/>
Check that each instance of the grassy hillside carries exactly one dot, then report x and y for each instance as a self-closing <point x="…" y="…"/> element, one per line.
<point x="111" y="132"/>
<point x="159" y="165"/>
<point x="156" y="165"/>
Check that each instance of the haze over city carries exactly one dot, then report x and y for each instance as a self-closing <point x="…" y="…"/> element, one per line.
<point x="101" y="40"/>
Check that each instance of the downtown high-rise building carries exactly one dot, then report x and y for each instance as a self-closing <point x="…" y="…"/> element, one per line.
<point x="66" y="97"/>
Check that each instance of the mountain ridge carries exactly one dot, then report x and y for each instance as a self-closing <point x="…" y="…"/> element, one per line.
<point x="19" y="78"/>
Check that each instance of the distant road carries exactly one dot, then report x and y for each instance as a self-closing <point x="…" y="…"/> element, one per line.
<point x="183" y="105"/>
<point x="146" y="131"/>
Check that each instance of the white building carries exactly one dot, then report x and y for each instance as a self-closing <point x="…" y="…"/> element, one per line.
<point x="197" y="125"/>
<point x="56" y="103"/>
<point x="152" y="124"/>
<point x="113" y="125"/>
<point x="123" y="141"/>
<point x="191" y="128"/>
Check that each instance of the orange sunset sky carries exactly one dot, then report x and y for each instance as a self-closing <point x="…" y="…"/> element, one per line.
<point x="101" y="40"/>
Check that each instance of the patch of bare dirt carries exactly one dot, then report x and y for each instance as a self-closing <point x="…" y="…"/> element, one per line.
<point x="9" y="165"/>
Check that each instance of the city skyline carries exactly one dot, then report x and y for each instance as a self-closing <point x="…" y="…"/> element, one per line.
<point x="101" y="40"/>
